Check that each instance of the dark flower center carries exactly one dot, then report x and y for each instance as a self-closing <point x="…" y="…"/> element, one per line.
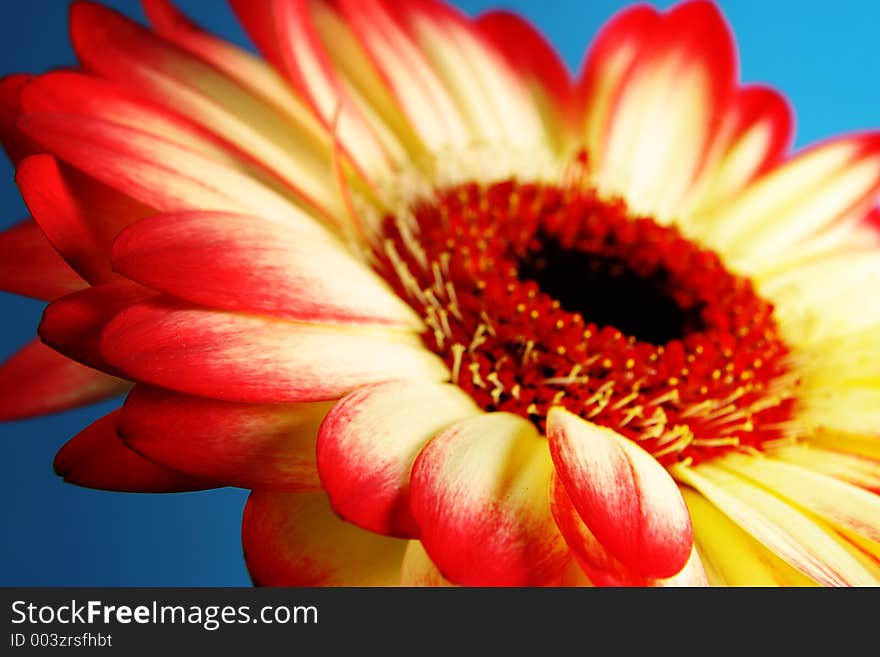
<point x="538" y="295"/>
<point x="608" y="292"/>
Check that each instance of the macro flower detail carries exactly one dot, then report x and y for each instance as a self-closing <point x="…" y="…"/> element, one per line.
<point x="453" y="316"/>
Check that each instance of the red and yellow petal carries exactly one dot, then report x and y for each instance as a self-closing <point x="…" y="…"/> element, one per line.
<point x="112" y="46"/>
<point x="624" y="496"/>
<point x="762" y="228"/>
<point x="295" y="539"/>
<point x="841" y="504"/>
<point x="537" y="63"/>
<point x="731" y="555"/>
<point x="662" y="93"/>
<point x="164" y="174"/>
<point x="243" y="263"/>
<point x="599" y="565"/>
<point x="284" y="30"/>
<point x="490" y="95"/>
<point x="253" y="359"/>
<point x="754" y="136"/>
<point x="368" y="443"/>
<point x="269" y="446"/>
<point x="480" y="494"/>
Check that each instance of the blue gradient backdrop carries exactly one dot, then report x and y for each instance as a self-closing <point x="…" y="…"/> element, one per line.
<point x="823" y="55"/>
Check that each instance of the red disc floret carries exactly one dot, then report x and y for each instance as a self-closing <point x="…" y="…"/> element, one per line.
<point x="695" y="368"/>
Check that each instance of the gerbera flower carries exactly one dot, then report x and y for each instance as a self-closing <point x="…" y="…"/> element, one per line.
<point x="453" y="316"/>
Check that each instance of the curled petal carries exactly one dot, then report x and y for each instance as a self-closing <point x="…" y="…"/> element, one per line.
<point x="599" y="565"/>
<point x="625" y="497"/>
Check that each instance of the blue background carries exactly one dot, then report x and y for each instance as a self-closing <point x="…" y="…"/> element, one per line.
<point x="823" y="55"/>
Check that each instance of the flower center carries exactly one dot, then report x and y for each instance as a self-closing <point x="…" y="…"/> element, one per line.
<point x="538" y="295"/>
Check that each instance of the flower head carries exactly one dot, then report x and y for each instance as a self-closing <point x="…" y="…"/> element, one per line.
<point x="452" y="315"/>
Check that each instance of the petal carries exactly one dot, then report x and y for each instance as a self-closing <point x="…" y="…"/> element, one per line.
<point x="250" y="359"/>
<point x="283" y="30"/>
<point x="609" y="59"/>
<point x="535" y="61"/>
<point x="157" y="172"/>
<point x="662" y="122"/>
<point x="38" y="380"/>
<point x="783" y="529"/>
<point x="115" y="47"/>
<point x="242" y="263"/>
<point x="295" y="539"/>
<point x="843" y="505"/>
<point x="856" y="469"/>
<point x="736" y="558"/>
<point x="368" y="442"/>
<point x="79" y="215"/>
<point x="755" y="135"/>
<point x="828" y="306"/>
<point x="246" y="445"/>
<point x="486" y="89"/>
<point x="72" y="325"/>
<point x="480" y="494"/>
<point x="17" y="146"/>
<point x="242" y="66"/>
<point x="83" y="95"/>
<point x="29" y="265"/>
<point x="418" y="569"/>
<point x="408" y="75"/>
<point x="625" y="497"/>
<point x="599" y="565"/>
<point x="97" y="458"/>
<point x="825" y="183"/>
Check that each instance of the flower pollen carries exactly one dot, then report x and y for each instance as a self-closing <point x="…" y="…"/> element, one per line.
<point x="538" y="295"/>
